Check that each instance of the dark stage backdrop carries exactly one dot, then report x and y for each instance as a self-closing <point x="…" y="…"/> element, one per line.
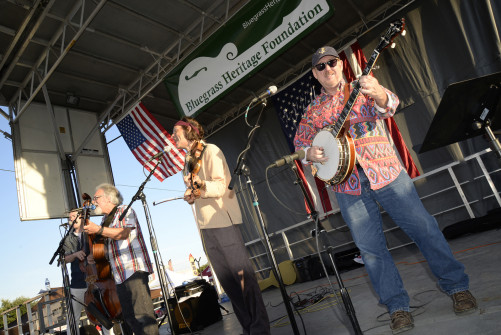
<point x="447" y="41"/>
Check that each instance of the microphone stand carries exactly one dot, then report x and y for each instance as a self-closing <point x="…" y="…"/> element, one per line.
<point x="66" y="282"/>
<point x="243" y="169"/>
<point x="320" y="230"/>
<point x="154" y="245"/>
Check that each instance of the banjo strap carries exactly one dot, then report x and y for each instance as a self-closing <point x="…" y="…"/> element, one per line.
<point x="346" y="124"/>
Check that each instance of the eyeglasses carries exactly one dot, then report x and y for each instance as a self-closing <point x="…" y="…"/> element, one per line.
<point x="96" y="197"/>
<point x="331" y="63"/>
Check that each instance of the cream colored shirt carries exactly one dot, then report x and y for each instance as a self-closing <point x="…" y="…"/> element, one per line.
<point x="217" y="206"/>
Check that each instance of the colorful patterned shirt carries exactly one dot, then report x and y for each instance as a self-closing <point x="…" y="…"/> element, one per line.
<point x="373" y="150"/>
<point x="129" y="255"/>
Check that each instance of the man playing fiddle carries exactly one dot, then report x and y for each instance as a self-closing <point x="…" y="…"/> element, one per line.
<point x="218" y="216"/>
<point x="128" y="258"/>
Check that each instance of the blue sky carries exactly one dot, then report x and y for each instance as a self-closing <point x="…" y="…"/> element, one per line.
<point x="28" y="246"/>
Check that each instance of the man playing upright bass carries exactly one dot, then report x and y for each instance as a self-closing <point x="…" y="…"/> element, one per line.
<point x="128" y="258"/>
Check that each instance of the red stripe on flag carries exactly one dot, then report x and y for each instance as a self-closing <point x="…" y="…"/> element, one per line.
<point x="404" y="153"/>
<point x="347" y="71"/>
<point x="359" y="54"/>
<point x="305" y="182"/>
<point x="141" y="152"/>
<point x="149" y="149"/>
<point x="161" y="137"/>
<point x="157" y="140"/>
<point x="324" y="195"/>
<point x="156" y="144"/>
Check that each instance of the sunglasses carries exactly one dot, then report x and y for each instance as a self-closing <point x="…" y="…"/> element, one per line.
<point x="331" y="63"/>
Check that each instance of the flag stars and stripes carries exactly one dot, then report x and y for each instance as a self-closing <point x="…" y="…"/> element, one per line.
<point x="146" y="137"/>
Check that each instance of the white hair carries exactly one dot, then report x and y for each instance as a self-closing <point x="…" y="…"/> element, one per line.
<point x="112" y="193"/>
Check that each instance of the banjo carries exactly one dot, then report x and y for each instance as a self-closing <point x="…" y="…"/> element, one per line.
<point x="335" y="139"/>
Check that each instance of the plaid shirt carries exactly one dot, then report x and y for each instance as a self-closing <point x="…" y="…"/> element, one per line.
<point x="129" y="255"/>
<point x="373" y="150"/>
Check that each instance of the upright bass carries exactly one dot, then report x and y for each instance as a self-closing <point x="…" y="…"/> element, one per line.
<point x="101" y="288"/>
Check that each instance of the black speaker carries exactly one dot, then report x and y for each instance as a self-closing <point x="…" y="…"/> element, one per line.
<point x="195" y="312"/>
<point x="315" y="268"/>
<point x="302" y="270"/>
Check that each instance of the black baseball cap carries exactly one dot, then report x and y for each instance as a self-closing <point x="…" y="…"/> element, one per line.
<point x="321" y="52"/>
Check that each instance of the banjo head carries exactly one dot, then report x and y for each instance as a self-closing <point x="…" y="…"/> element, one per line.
<point x="327" y="171"/>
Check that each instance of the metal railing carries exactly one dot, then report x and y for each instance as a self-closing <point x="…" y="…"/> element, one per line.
<point x="49" y="315"/>
<point x="286" y="246"/>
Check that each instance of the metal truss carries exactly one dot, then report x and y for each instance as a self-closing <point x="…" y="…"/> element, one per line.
<point x="126" y="98"/>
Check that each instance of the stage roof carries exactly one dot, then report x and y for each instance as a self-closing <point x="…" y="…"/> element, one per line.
<point x="112" y="54"/>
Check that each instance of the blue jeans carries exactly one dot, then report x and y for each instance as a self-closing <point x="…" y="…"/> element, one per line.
<point x="401" y="201"/>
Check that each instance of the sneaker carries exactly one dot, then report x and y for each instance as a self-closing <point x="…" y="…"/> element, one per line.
<point x="401" y="321"/>
<point x="463" y="302"/>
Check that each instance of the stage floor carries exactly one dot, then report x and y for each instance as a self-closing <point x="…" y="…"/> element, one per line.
<point x="432" y="309"/>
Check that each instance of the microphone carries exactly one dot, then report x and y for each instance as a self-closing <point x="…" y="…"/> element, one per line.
<point x="288" y="158"/>
<point x="80" y="209"/>
<point x="269" y="92"/>
<point x="160" y="154"/>
<point x="91" y="207"/>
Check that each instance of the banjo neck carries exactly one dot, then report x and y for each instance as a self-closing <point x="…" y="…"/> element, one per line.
<point x="395" y="28"/>
<point x="338" y="126"/>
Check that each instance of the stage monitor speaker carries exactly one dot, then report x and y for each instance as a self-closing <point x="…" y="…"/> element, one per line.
<point x="196" y="312"/>
<point x="303" y="273"/>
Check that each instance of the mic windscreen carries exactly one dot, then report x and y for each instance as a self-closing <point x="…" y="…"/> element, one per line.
<point x="273" y="89"/>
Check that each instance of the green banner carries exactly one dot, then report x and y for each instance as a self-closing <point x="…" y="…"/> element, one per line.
<point x="255" y="35"/>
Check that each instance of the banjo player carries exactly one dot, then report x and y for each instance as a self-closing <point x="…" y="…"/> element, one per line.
<point x="378" y="179"/>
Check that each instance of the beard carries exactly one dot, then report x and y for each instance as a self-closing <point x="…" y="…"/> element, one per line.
<point x="98" y="211"/>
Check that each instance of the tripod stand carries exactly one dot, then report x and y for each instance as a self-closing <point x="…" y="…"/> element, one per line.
<point x="73" y="327"/>
<point x="321" y="233"/>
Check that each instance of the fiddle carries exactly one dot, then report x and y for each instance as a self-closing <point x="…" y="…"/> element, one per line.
<point x="194" y="165"/>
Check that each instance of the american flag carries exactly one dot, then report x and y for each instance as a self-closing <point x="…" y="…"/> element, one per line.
<point x="146" y="138"/>
<point x="290" y="104"/>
